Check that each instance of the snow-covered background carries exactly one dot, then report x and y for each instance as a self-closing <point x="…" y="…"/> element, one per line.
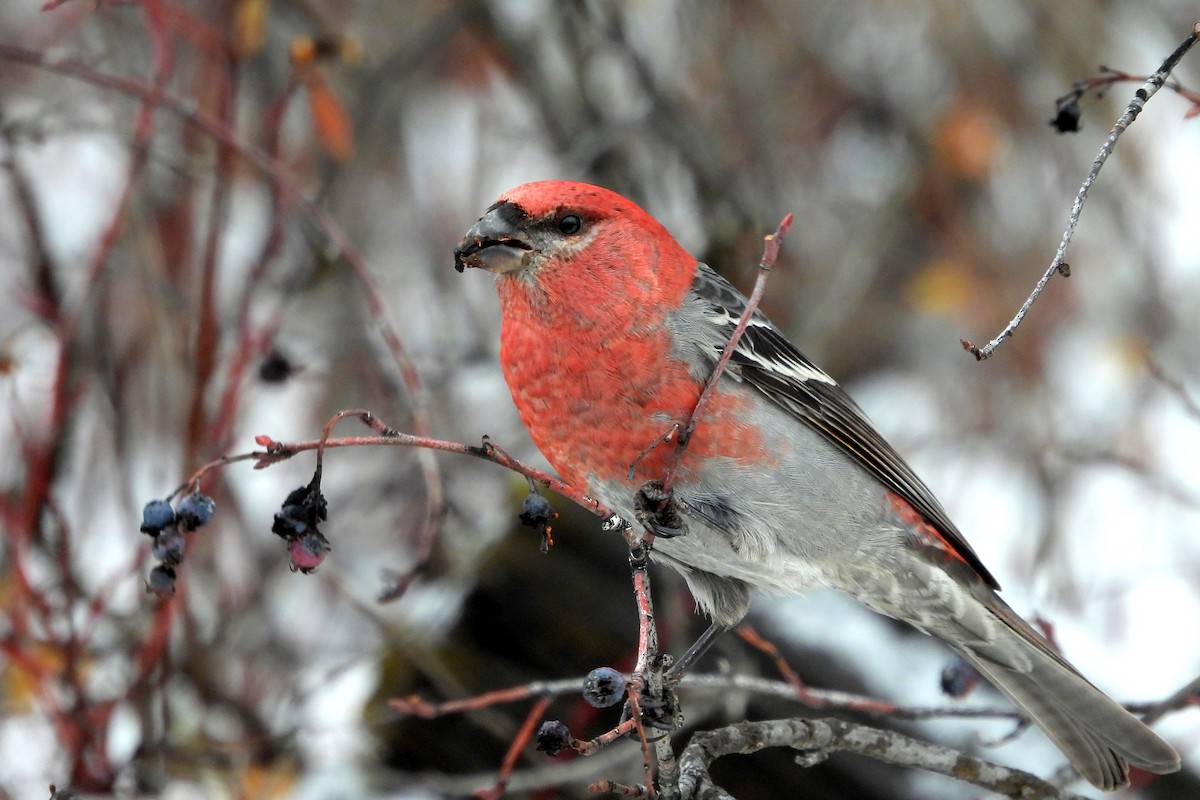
<point x="910" y="140"/>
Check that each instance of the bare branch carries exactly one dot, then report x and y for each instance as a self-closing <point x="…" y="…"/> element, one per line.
<point x="817" y="739"/>
<point x="1059" y="262"/>
<point x="1189" y="694"/>
<point x="771" y="244"/>
<point x="514" y="750"/>
<point x="282" y="180"/>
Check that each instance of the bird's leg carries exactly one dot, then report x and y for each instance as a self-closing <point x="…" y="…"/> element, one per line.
<point x="663" y="711"/>
<point x="698" y="649"/>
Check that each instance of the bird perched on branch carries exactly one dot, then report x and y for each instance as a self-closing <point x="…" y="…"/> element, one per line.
<point x="610" y="331"/>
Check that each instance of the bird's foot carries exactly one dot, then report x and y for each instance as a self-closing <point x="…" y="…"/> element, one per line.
<point x="658" y="511"/>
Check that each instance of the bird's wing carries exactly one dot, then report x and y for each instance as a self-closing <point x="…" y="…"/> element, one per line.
<point x="765" y="359"/>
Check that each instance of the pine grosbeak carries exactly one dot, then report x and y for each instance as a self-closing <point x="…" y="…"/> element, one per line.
<point x="610" y="330"/>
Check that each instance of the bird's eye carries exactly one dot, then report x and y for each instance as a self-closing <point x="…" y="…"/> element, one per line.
<point x="570" y="224"/>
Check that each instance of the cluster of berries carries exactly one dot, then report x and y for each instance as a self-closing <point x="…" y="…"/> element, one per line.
<point x="297" y="523"/>
<point x="168" y="525"/>
<point x="603" y="687"/>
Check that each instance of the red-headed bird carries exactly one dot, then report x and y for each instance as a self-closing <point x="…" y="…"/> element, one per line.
<point x="610" y="331"/>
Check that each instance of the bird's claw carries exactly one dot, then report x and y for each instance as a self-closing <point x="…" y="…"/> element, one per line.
<point x="660" y="710"/>
<point x="658" y="512"/>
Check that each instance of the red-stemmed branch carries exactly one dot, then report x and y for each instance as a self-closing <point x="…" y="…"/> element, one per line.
<point x="771" y="244"/>
<point x="341" y="246"/>
<point x="275" y="452"/>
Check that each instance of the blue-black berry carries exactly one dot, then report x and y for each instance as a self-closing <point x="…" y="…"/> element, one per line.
<point x="161" y="581"/>
<point x="1066" y="118"/>
<point x="157" y="515"/>
<point x="959" y="679"/>
<point x="553" y="737"/>
<point x="536" y="511"/>
<point x="603" y="687"/>
<point x="169" y="546"/>
<point x="195" y="510"/>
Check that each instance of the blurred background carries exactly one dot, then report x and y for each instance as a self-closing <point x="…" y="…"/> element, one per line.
<point x="174" y="211"/>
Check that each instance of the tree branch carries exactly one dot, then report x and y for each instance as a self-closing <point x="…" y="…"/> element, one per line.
<point x="817" y="739"/>
<point x="1059" y="263"/>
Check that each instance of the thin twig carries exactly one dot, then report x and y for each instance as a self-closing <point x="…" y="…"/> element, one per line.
<point x="753" y="638"/>
<point x="281" y="451"/>
<point x="635" y="716"/>
<point x="716" y="683"/>
<point x="514" y="750"/>
<point x="648" y="674"/>
<point x="593" y="746"/>
<point x="1188" y="694"/>
<point x="771" y="244"/>
<point x="415" y="706"/>
<point x="639" y="559"/>
<point x="1176" y="387"/>
<point x="1059" y="262"/>
<point x="1110" y="76"/>
<point x="341" y="245"/>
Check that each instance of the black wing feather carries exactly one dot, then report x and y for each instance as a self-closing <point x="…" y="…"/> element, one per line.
<point x="768" y="361"/>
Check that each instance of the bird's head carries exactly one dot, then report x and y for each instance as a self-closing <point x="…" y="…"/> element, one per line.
<point x="561" y="229"/>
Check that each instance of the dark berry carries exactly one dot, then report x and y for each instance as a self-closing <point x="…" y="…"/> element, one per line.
<point x="301" y="511"/>
<point x="156" y="515"/>
<point x="603" y="687"/>
<point x="291" y="521"/>
<point x="1066" y="120"/>
<point x="536" y="511"/>
<point x="169" y="546"/>
<point x="553" y="737"/>
<point x="308" y="551"/>
<point x="161" y="581"/>
<point x="195" y="510"/>
<point x="959" y="679"/>
<point x="275" y="368"/>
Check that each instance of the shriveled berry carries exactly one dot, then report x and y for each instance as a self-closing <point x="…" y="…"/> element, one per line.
<point x="959" y="679"/>
<point x="308" y="551"/>
<point x="195" y="510"/>
<point x="536" y="511"/>
<point x="291" y="521"/>
<point x="1066" y="119"/>
<point x="169" y="546"/>
<point x="301" y="511"/>
<point x="156" y="515"/>
<point x="603" y="687"/>
<point x="310" y="497"/>
<point x="553" y="737"/>
<point x="161" y="581"/>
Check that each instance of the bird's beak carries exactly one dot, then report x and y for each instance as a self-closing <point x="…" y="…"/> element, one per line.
<point x="494" y="242"/>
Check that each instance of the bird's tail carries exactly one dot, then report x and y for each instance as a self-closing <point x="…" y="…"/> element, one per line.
<point x="1100" y="738"/>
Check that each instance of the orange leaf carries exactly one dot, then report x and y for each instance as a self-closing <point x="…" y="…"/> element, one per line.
<point x="334" y="130"/>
